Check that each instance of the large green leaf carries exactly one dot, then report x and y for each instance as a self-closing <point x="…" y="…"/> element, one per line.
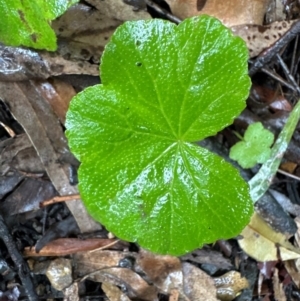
<point x="163" y="88"/>
<point x="26" y="22"/>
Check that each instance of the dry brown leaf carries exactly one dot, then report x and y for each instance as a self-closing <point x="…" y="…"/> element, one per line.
<point x="119" y="10"/>
<point x="293" y="270"/>
<point x="231" y="12"/>
<point x="163" y="271"/>
<point x="113" y="293"/>
<point x="46" y="134"/>
<point x="18" y="154"/>
<point x="209" y="256"/>
<point x="262" y="243"/>
<point x="88" y="262"/>
<point x="278" y="288"/>
<point x="197" y="285"/>
<point x="84" y="31"/>
<point x="259" y="38"/>
<point x="58" y="93"/>
<point x="67" y="246"/>
<point x="135" y="285"/>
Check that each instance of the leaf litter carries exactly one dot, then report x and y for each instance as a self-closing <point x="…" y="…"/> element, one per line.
<point x="20" y="159"/>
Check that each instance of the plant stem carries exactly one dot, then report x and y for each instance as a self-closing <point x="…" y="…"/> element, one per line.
<point x="260" y="183"/>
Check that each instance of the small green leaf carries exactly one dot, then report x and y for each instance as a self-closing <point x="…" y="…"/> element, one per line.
<point x="27" y="22"/>
<point x="255" y="147"/>
<point x="141" y="175"/>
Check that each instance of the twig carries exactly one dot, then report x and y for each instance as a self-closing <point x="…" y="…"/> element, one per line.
<point x="21" y="265"/>
<point x="287" y="73"/>
<point x="59" y="199"/>
<point x="278" y="78"/>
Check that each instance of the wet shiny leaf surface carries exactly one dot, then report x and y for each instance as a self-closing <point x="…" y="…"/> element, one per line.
<point x="163" y="88"/>
<point x="26" y="22"/>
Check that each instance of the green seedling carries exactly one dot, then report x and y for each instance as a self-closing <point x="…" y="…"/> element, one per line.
<point x="142" y="174"/>
<point x="254" y="148"/>
<point x="27" y="22"/>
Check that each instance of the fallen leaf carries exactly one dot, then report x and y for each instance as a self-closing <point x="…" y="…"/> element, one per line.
<point x="197" y="285"/>
<point x="262" y="243"/>
<point x="113" y="293"/>
<point x="18" y="64"/>
<point x="163" y="271"/>
<point x="67" y="246"/>
<point x="88" y="262"/>
<point x="84" y="31"/>
<point x="58" y="94"/>
<point x="135" y="285"/>
<point x="292" y="266"/>
<point x="208" y="256"/>
<point x="18" y="154"/>
<point x="278" y="288"/>
<point x="27" y="197"/>
<point x="259" y="38"/>
<point x="233" y="12"/>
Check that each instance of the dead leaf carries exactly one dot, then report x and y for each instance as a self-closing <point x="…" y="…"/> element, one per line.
<point x="119" y="10"/>
<point x="197" y="285"/>
<point x="18" y="154"/>
<point x="259" y="38"/>
<point x="67" y="246"/>
<point x="262" y="243"/>
<point x="18" y="64"/>
<point x="134" y="284"/>
<point x="232" y="12"/>
<point x="84" y="31"/>
<point x="163" y="271"/>
<point x="58" y="94"/>
<point x="27" y="196"/>
<point x="209" y="256"/>
<point x="88" y="262"/>
<point x="278" y="289"/>
<point x="43" y="129"/>
<point x="293" y="270"/>
<point x="113" y="293"/>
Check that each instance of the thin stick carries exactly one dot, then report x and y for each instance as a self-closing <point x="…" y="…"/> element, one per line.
<point x="59" y="199"/>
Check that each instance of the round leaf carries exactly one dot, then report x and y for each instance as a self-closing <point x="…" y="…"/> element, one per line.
<point x="255" y="148"/>
<point x="163" y="87"/>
